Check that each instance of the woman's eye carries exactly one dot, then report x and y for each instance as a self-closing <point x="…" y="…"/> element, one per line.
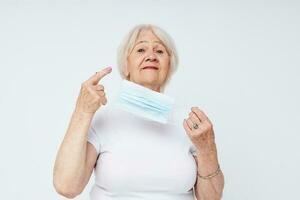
<point x="140" y="50"/>
<point x="160" y="51"/>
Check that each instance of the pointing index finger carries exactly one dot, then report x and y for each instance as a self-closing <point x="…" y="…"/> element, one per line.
<point x="99" y="75"/>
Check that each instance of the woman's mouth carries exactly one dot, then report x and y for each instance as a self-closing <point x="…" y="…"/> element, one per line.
<point x="150" y="67"/>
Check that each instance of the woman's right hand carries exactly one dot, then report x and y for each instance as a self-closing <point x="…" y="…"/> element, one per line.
<point x="92" y="95"/>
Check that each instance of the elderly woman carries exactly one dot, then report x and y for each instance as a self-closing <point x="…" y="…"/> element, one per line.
<point x="135" y="158"/>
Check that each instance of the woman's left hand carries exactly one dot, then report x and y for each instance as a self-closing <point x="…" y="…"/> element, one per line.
<point x="200" y="130"/>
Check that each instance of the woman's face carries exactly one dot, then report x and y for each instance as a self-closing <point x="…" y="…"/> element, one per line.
<point x="149" y="62"/>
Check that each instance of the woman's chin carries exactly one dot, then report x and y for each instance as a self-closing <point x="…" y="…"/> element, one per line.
<point x="150" y="81"/>
<point x="150" y="77"/>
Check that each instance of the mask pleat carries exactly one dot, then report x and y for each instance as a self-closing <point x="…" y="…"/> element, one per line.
<point x="145" y="102"/>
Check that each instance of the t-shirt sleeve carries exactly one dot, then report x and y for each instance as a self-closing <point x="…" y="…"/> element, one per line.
<point x="98" y="128"/>
<point x="93" y="138"/>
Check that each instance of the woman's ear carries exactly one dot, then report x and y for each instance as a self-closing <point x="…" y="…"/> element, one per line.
<point x="126" y="72"/>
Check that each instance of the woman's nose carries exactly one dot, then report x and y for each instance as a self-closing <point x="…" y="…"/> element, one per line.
<point x="151" y="57"/>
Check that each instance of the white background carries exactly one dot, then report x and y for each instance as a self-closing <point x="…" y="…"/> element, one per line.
<point x="239" y="62"/>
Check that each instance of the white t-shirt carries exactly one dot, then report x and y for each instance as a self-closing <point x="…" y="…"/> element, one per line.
<point x="140" y="158"/>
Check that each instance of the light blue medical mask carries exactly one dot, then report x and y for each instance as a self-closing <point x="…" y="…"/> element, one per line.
<point x="145" y="102"/>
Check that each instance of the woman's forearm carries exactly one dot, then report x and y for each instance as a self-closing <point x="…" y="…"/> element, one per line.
<point x="209" y="189"/>
<point x="69" y="168"/>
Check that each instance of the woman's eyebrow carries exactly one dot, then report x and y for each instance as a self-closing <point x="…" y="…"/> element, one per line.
<point x="142" y="41"/>
<point x="145" y="41"/>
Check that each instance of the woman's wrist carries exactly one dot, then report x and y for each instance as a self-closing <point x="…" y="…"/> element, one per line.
<point x="81" y="118"/>
<point x="81" y="114"/>
<point x="207" y="161"/>
<point x="211" y="175"/>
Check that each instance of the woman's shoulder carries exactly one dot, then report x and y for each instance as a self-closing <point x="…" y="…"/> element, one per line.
<point x="102" y="112"/>
<point x="102" y="117"/>
<point x="106" y="114"/>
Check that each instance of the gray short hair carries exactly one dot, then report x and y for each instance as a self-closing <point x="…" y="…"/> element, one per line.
<point x="128" y="43"/>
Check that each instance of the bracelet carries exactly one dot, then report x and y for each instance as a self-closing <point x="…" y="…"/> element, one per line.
<point x="212" y="174"/>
